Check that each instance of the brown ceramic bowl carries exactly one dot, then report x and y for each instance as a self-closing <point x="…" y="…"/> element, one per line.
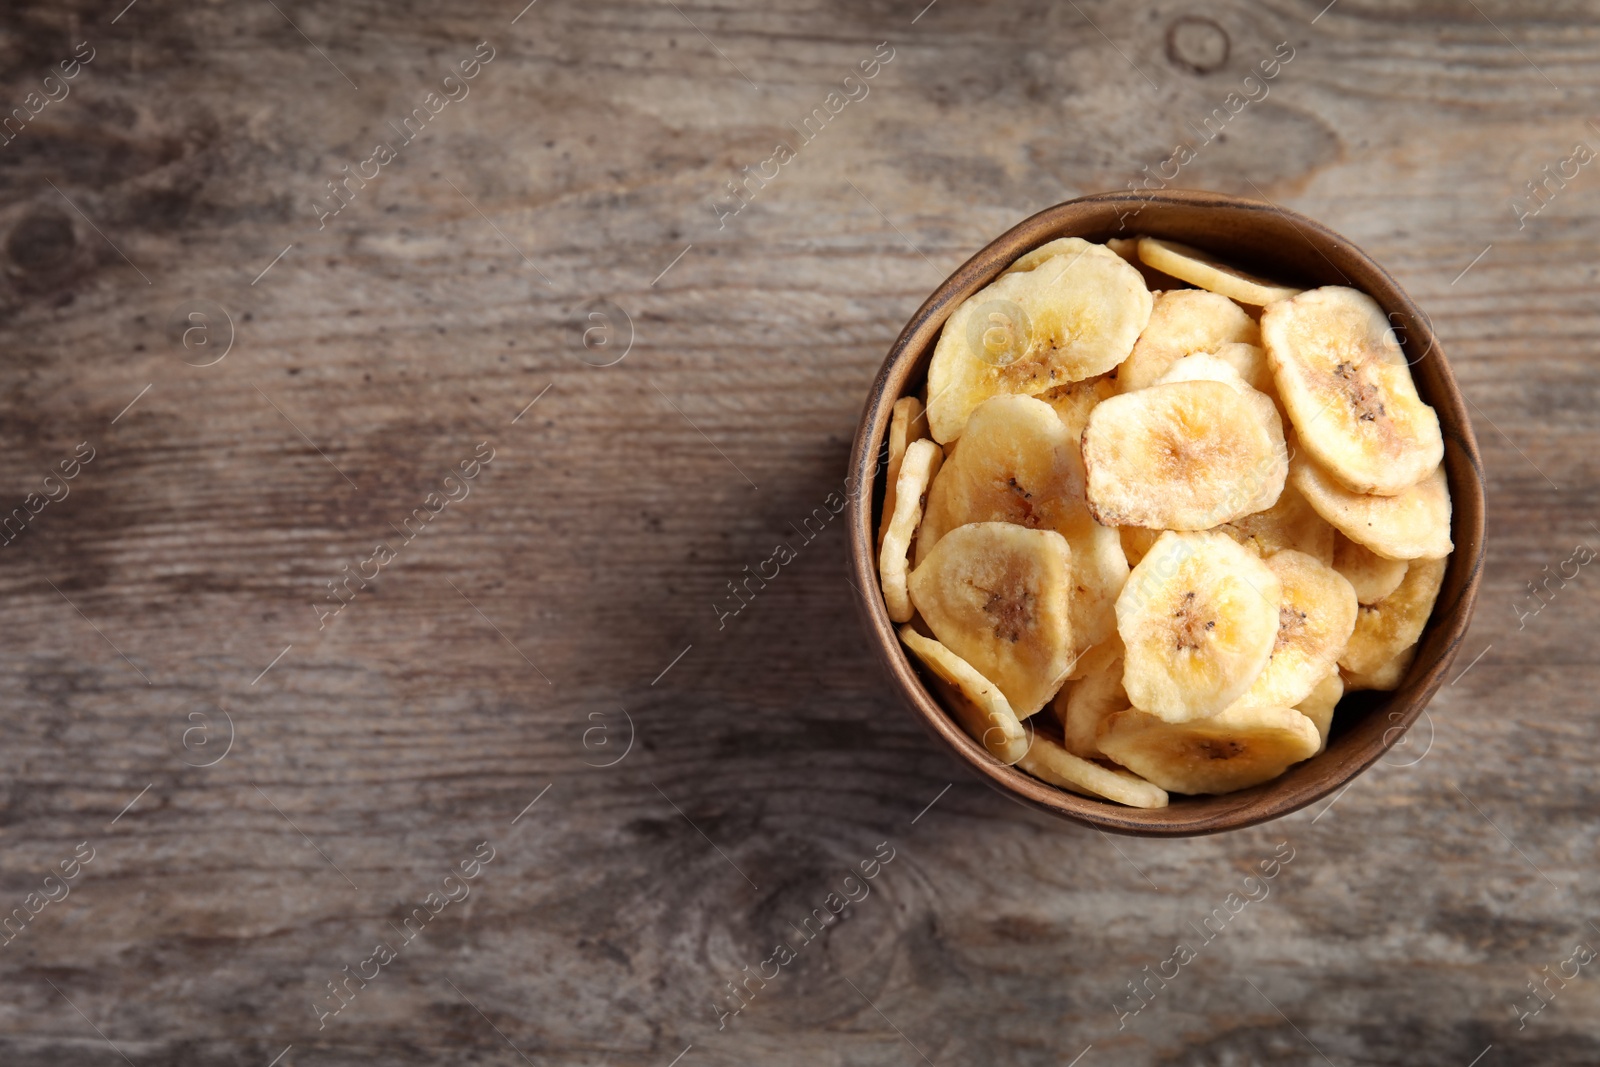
<point x="1276" y="244"/>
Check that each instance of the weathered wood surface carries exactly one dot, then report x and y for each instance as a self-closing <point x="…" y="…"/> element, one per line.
<point x="769" y="760"/>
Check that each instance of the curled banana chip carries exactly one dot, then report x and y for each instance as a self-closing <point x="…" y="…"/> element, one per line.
<point x="1289" y="523"/>
<point x="1096" y="695"/>
<point x="906" y="424"/>
<point x="1074" y="315"/>
<point x="1240" y="748"/>
<point x="1199" y="619"/>
<point x="1372" y="576"/>
<point x="995" y="594"/>
<point x="1051" y="763"/>
<point x="978" y="704"/>
<point x="1318" y="707"/>
<point x="1387" y="628"/>
<point x="1199" y="268"/>
<point x="1182" y="456"/>
<point x="1183" y="321"/>
<point x="1413" y="525"/>
<point x="917" y="468"/>
<point x="1347" y="388"/>
<point x="1316" y="614"/>
<point x="1019" y="463"/>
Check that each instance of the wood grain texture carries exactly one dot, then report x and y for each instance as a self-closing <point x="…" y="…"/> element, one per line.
<point x="771" y="757"/>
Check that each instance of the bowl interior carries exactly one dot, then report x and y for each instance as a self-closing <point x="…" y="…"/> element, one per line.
<point x="1277" y="244"/>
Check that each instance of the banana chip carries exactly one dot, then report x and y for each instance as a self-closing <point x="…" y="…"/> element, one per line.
<point x="1199" y="620"/>
<point x="1051" y="763"/>
<point x="1386" y="678"/>
<point x="1076" y="314"/>
<point x="1181" y="456"/>
<point x="1018" y="463"/>
<point x="1250" y="361"/>
<point x="1240" y="748"/>
<point x="1204" y="367"/>
<point x="1182" y="322"/>
<point x="1290" y="523"/>
<point x="1347" y="388"/>
<point x="1372" y="576"/>
<point x="1074" y="401"/>
<point x="1095" y="696"/>
<point x="1318" y="707"/>
<point x="1316" y="614"/>
<point x="1413" y="525"/>
<point x="996" y="595"/>
<point x="906" y="424"/>
<point x="978" y="704"/>
<point x="917" y="468"/>
<point x="1392" y="625"/>
<point x="1136" y="541"/>
<point x="1198" y="268"/>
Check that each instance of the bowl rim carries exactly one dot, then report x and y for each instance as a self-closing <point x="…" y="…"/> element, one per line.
<point x="1212" y="814"/>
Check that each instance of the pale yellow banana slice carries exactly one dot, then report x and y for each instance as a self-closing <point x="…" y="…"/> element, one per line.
<point x="1126" y="247"/>
<point x="920" y="463"/>
<point x="1074" y="401"/>
<point x="1289" y="523"/>
<point x="1348" y="391"/>
<point x="1205" y="367"/>
<point x="1019" y="463"/>
<point x="1372" y="576"/>
<point x="1182" y="456"/>
<point x="1049" y="762"/>
<point x="1136" y="541"/>
<point x="1240" y="748"/>
<point x="1318" y="707"/>
<point x="1092" y="698"/>
<point x="1386" y="678"/>
<point x="996" y="595"/>
<point x="1413" y="525"/>
<point x="1183" y="321"/>
<point x="1198" y="618"/>
<point x="906" y="424"/>
<point x="1199" y="268"/>
<point x="1073" y="316"/>
<point x="976" y="702"/>
<point x="1316" y="614"/>
<point x="1387" y="628"/>
<point x="1250" y="361"/>
<point x="1069" y="246"/>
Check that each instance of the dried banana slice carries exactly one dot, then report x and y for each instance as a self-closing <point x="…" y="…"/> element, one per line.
<point x="1074" y="401"/>
<point x="1372" y="576"/>
<point x="1386" y="678"/>
<point x="1199" y="268"/>
<point x="1318" y="707"/>
<point x="1290" y="523"/>
<point x="1387" y="628"/>
<point x="906" y="424"/>
<point x="917" y="468"/>
<point x="1199" y="618"/>
<point x="1073" y="316"/>
<point x="1413" y="525"/>
<point x="1019" y="464"/>
<point x="977" y="703"/>
<point x="1095" y="696"/>
<point x="1204" y="367"/>
<point x="1182" y="456"/>
<point x="1136" y="541"/>
<point x="1348" y="391"/>
<point x="996" y="595"/>
<point x="1068" y="246"/>
<point x="1049" y="762"/>
<point x="1240" y="748"/>
<point x="1316" y="614"/>
<point x="1250" y="361"/>
<point x="1183" y="321"/>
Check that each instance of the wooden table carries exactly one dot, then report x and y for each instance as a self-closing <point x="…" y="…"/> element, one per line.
<point x="550" y="270"/>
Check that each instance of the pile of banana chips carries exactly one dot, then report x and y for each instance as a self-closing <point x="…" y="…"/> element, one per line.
<point x="1183" y="507"/>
